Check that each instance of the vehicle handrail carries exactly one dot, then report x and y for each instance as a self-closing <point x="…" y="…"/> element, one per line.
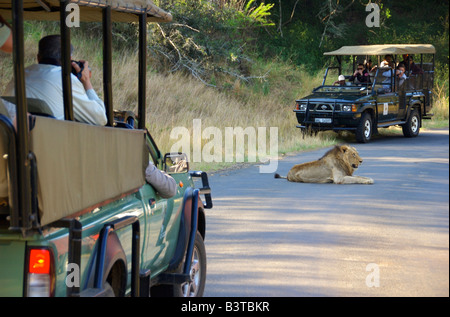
<point x="205" y="190"/>
<point x="135" y="241"/>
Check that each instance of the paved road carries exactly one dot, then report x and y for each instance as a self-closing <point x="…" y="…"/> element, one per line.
<point x="270" y="237"/>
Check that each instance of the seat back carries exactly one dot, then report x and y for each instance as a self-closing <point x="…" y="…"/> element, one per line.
<point x="35" y="106"/>
<point x="80" y="166"/>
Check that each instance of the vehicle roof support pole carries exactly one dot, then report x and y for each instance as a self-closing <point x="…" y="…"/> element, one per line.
<point x="421" y="66"/>
<point x="340" y="66"/>
<point x="66" y="63"/>
<point x="142" y="69"/>
<point x="432" y="74"/>
<point x="393" y="82"/>
<point x="22" y="146"/>
<point x="107" y="65"/>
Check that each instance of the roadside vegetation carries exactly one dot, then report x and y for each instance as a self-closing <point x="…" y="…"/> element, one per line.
<point x="242" y="63"/>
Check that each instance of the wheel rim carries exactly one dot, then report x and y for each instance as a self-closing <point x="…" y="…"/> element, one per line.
<point x="414" y="124"/>
<point x="190" y="289"/>
<point x="367" y="129"/>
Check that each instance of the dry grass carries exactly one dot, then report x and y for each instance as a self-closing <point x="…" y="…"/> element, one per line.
<point x="175" y="100"/>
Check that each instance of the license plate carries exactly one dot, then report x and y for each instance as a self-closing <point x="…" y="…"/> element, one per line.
<point x="322" y="120"/>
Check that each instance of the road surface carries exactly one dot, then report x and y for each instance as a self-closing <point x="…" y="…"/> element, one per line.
<point x="270" y="237"/>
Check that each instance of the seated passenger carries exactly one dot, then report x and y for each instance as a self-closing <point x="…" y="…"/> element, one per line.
<point x="341" y="81"/>
<point x="44" y="81"/>
<point x="413" y="68"/>
<point x="387" y="72"/>
<point x="361" y="75"/>
<point x="388" y="61"/>
<point x="400" y="75"/>
<point x="368" y="66"/>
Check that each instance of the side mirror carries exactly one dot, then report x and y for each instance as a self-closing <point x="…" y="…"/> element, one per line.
<point x="176" y="163"/>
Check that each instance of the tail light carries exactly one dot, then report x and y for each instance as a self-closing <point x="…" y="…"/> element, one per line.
<point x="40" y="273"/>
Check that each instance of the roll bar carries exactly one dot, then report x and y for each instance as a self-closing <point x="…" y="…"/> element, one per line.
<point x="24" y="213"/>
<point x="21" y="213"/>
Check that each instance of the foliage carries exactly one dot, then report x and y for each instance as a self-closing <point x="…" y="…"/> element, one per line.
<point x="231" y="44"/>
<point x="259" y="14"/>
<point x="222" y="42"/>
<point x="207" y="39"/>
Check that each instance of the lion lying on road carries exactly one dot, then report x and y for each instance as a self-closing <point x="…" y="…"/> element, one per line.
<point x="336" y="166"/>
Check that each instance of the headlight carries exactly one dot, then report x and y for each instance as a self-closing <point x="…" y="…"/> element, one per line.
<point x="346" y="107"/>
<point x="350" y="108"/>
<point x="302" y="106"/>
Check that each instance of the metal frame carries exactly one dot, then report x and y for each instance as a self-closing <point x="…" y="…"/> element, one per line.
<point x="22" y="164"/>
<point x="101" y="252"/>
<point x="24" y="215"/>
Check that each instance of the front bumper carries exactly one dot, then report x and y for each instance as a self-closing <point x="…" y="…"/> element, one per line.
<point x="322" y="121"/>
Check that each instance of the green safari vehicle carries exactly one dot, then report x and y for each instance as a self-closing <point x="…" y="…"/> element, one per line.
<point x="79" y="218"/>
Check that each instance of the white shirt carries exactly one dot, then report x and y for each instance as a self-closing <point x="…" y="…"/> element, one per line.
<point x="44" y="82"/>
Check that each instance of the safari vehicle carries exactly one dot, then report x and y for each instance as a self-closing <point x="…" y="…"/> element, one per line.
<point x="383" y="101"/>
<point x="79" y="218"/>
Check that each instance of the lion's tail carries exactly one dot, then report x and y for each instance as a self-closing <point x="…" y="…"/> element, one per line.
<point x="279" y="176"/>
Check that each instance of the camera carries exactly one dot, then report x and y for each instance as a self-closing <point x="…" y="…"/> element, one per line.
<point x="78" y="74"/>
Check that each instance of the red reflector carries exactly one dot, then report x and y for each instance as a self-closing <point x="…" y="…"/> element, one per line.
<point x="39" y="261"/>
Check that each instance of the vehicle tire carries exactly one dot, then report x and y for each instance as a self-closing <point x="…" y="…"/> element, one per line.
<point x="364" y="129"/>
<point x="412" y="126"/>
<point x="196" y="287"/>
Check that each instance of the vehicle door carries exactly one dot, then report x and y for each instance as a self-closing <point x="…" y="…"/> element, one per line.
<point x="401" y="95"/>
<point x="158" y="213"/>
<point x="161" y="232"/>
<point x="387" y="106"/>
<point x="387" y="98"/>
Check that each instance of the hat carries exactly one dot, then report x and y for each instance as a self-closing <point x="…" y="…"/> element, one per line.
<point x="341" y="77"/>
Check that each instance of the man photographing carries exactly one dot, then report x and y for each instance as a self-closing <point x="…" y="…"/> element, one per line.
<point x="44" y="81"/>
<point x="361" y="75"/>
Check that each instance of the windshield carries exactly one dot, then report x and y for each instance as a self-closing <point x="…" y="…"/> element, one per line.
<point x="342" y="89"/>
<point x="337" y="81"/>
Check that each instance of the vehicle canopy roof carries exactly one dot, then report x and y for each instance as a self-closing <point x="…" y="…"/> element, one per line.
<point x="384" y="49"/>
<point x="90" y="10"/>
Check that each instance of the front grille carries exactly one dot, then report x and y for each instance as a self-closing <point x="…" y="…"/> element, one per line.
<point x="324" y="107"/>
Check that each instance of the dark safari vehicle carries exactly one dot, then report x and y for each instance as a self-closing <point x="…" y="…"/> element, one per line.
<point x="396" y="91"/>
<point x="77" y="216"/>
